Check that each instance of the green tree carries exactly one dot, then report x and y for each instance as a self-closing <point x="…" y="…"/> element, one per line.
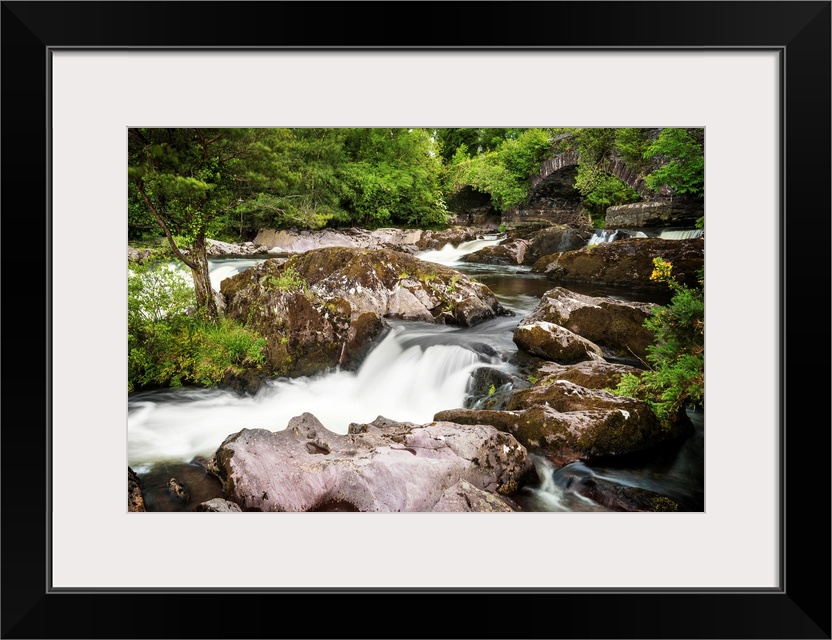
<point x="600" y="190"/>
<point x="191" y="181"/>
<point x="392" y="176"/>
<point x="504" y="172"/>
<point x="682" y="158"/>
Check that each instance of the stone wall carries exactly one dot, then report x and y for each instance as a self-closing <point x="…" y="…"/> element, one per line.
<point x="666" y="212"/>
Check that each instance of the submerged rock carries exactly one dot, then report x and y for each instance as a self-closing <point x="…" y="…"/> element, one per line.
<point x="219" y="505"/>
<point x="379" y="466"/>
<point x="135" y="499"/>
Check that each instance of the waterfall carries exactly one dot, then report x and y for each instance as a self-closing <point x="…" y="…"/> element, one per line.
<point x="680" y="234"/>
<point x="219" y="270"/>
<point x="449" y="255"/>
<point x="610" y="235"/>
<point x="403" y="380"/>
<point x="603" y="235"/>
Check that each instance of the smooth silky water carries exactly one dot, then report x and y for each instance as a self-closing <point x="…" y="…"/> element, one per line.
<point x="416" y="370"/>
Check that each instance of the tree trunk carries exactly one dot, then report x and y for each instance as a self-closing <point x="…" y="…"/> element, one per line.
<point x="205" y="302"/>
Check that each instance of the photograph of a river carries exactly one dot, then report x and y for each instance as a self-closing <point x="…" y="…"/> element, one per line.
<point x="415" y="371"/>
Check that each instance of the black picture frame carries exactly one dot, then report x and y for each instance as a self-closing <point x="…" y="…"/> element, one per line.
<point x="800" y="31"/>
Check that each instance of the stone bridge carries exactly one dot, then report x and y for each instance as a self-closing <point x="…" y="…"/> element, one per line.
<point x="553" y="197"/>
<point x="611" y="164"/>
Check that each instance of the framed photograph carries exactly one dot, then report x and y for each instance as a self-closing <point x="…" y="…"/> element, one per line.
<point x="753" y="563"/>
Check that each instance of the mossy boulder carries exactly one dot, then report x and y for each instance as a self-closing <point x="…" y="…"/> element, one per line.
<point x="556" y="239"/>
<point x="615" y="325"/>
<point x="626" y="263"/>
<point x="305" y="332"/>
<point x="553" y="342"/>
<point x="592" y="374"/>
<point x="566" y="422"/>
<point x="396" y="285"/>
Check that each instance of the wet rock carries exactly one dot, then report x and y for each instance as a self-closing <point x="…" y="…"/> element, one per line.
<point x="615" y="325"/>
<point x="396" y="285"/>
<point x="626" y="263"/>
<point x="365" y="332"/>
<point x="378" y="466"/>
<point x="618" y="497"/>
<point x="464" y="496"/>
<point x="484" y="379"/>
<point x="556" y="240"/>
<point x="135" y="499"/>
<point x="245" y="382"/>
<point x="491" y="388"/>
<point x="592" y="374"/>
<point x="218" y="505"/>
<point x="553" y="342"/>
<point x="456" y="235"/>
<point x="566" y="422"/>
<point x="510" y="252"/>
<point x="292" y="241"/>
<point x="306" y="331"/>
<point x="178" y="490"/>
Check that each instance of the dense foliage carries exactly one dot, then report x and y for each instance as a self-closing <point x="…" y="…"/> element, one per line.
<point x="231" y="183"/>
<point x="168" y="346"/>
<point x="682" y="161"/>
<point x="186" y="185"/>
<point x="504" y="171"/>
<point x="676" y="376"/>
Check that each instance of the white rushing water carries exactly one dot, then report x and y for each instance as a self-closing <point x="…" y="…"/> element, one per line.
<point x="673" y="234"/>
<point x="402" y="381"/>
<point x="450" y="255"/>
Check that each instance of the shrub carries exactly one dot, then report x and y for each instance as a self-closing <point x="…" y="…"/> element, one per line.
<point x="676" y="359"/>
<point x="167" y="347"/>
<point x="287" y="280"/>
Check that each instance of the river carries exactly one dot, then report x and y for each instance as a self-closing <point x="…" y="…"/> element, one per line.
<point x="417" y="370"/>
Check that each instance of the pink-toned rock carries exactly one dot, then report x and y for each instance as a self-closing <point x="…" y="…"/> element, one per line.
<point x="380" y="466"/>
<point x="464" y="496"/>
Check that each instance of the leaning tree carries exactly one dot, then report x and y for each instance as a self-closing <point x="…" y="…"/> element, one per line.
<point x="192" y="179"/>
